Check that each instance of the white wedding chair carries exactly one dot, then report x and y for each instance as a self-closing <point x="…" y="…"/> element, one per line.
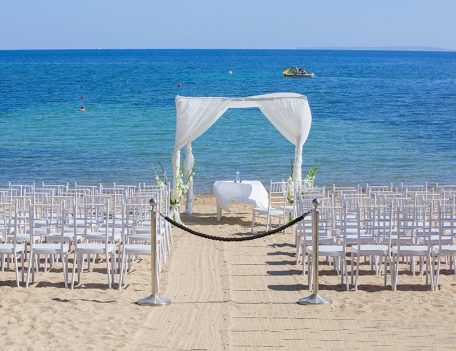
<point x="135" y="240"/>
<point x="59" y="247"/>
<point x="373" y="232"/>
<point x="328" y="226"/>
<point x="10" y="247"/>
<point x="403" y="241"/>
<point x="304" y="231"/>
<point x="443" y="248"/>
<point x="276" y="205"/>
<point x="98" y="237"/>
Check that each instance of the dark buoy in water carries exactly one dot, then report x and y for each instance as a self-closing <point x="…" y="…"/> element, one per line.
<point x="179" y="85"/>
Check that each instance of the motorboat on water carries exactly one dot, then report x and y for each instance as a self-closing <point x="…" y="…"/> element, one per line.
<point x="295" y="72"/>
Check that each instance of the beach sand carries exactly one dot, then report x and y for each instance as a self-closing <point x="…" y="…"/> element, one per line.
<point x="226" y="296"/>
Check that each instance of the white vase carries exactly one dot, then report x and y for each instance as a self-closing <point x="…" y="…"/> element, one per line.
<point x="175" y="213"/>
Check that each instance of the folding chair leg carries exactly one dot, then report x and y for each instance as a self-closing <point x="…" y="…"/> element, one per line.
<point x="30" y="269"/>
<point x="16" y="269"/>
<point x="108" y="271"/>
<point x="65" y="271"/>
<point x="75" y="261"/>
<point x="122" y="269"/>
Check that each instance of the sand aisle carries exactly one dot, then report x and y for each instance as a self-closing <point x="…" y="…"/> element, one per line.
<point x="232" y="296"/>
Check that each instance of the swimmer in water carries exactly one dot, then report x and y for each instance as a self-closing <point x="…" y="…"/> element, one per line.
<point x="179" y="85"/>
<point x="82" y="109"/>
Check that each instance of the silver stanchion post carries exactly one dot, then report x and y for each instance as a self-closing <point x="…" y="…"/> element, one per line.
<point x="155" y="299"/>
<point x="314" y="298"/>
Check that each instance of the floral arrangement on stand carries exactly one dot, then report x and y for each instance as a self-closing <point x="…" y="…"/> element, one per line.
<point x="179" y="192"/>
<point x="290" y="185"/>
<point x="308" y="183"/>
<point x="310" y="177"/>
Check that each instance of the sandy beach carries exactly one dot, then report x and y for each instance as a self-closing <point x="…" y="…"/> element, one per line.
<point x="226" y="296"/>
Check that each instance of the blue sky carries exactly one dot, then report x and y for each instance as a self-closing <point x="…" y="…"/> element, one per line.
<point x="61" y="24"/>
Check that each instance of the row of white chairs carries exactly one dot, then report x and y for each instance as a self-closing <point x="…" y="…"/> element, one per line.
<point x="384" y="225"/>
<point x="281" y="197"/>
<point x="54" y="221"/>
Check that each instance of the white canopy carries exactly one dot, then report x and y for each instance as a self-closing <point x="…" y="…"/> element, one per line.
<point x="289" y="113"/>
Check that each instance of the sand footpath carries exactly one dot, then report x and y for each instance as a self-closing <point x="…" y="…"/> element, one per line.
<point x="226" y="296"/>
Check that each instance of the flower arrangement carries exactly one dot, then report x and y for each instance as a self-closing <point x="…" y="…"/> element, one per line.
<point x="163" y="180"/>
<point x="308" y="181"/>
<point x="310" y="177"/>
<point x="181" y="187"/>
<point x="290" y="185"/>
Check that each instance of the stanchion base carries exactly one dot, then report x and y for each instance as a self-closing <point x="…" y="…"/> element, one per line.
<point x="314" y="299"/>
<point x="153" y="300"/>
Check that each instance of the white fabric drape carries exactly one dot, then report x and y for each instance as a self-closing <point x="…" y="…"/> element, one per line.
<point x="289" y="113"/>
<point x="189" y="160"/>
<point x="292" y="118"/>
<point x="195" y="116"/>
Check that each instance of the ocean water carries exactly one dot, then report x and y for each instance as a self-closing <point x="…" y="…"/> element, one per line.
<point x="378" y="117"/>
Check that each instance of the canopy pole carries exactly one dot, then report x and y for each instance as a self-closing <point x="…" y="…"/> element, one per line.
<point x="176" y="165"/>
<point x="298" y="166"/>
<point x="189" y="162"/>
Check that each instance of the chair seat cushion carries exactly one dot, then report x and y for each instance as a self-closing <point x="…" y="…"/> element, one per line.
<point x="9" y="248"/>
<point x="59" y="238"/>
<point x="271" y="211"/>
<point x="50" y="248"/>
<point x="370" y="249"/>
<point x="101" y="236"/>
<point x="24" y="237"/>
<point x="137" y="249"/>
<point x="446" y="249"/>
<point x="94" y="248"/>
<point x="321" y="240"/>
<point x="327" y="250"/>
<point x="402" y="239"/>
<point x="411" y="250"/>
<point x="353" y="239"/>
<point x="40" y="231"/>
<point x="434" y="239"/>
<point x="139" y="237"/>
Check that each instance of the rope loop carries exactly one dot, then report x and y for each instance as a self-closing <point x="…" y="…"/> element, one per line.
<point x="245" y="238"/>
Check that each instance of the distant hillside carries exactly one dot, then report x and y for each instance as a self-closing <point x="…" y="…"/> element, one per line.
<point x="378" y="48"/>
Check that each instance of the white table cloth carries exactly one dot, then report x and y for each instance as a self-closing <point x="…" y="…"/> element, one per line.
<point x="250" y="192"/>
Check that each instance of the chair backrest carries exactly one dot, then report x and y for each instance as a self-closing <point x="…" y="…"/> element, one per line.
<point x="446" y="221"/>
<point x="8" y="231"/>
<point x="303" y="228"/>
<point x="98" y="216"/>
<point x="46" y="219"/>
<point x="375" y="221"/>
<point x="408" y="220"/>
<point x="277" y="195"/>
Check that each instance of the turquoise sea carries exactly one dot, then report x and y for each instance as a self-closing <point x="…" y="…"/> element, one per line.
<point x="378" y="116"/>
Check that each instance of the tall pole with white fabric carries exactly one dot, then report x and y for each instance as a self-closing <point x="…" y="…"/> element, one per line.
<point x="189" y="164"/>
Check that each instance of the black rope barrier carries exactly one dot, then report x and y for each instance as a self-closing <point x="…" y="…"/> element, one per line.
<point x="245" y="238"/>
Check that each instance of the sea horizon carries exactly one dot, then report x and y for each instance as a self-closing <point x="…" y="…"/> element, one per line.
<point x="348" y="48"/>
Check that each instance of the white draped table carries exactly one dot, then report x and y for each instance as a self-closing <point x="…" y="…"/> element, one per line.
<point x="250" y="192"/>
